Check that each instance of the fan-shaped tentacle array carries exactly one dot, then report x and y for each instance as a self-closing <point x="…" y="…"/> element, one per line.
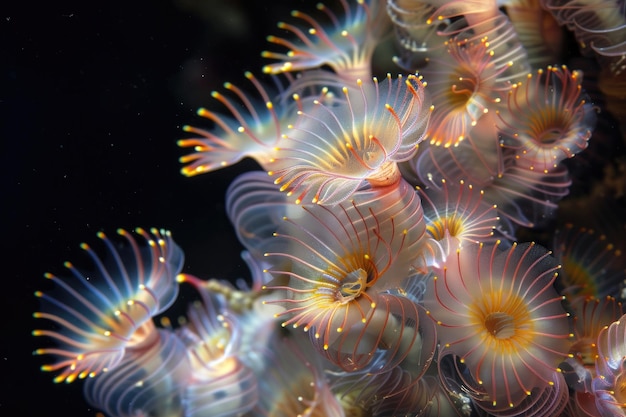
<point x="342" y="262"/>
<point x="557" y="121"/>
<point x="346" y="44"/>
<point x="360" y="137"/>
<point x="102" y="312"/>
<point x="254" y="131"/>
<point x="499" y="314"/>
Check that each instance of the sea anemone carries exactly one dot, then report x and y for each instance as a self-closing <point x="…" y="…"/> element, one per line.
<point x="498" y="312"/>
<point x="464" y="84"/>
<point x="457" y="213"/>
<point x="548" y="119"/>
<point x="338" y="268"/>
<point x="102" y="312"/>
<point x="347" y="46"/>
<point x="335" y="148"/>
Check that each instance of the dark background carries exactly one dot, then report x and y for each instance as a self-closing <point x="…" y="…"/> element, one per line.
<point x="93" y="96"/>
<point x="92" y="100"/>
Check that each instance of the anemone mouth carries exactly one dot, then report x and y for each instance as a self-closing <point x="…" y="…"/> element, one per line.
<point x="550" y="136"/>
<point x="342" y="289"/>
<point x="464" y="87"/>
<point x="548" y="120"/>
<point x="451" y="225"/>
<point x="500" y="325"/>
<point x="353" y="285"/>
<point x="505" y="320"/>
<point x="549" y="127"/>
<point x="387" y="174"/>
<point x="355" y="280"/>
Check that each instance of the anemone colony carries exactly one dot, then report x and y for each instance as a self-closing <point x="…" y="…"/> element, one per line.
<point x="385" y="238"/>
